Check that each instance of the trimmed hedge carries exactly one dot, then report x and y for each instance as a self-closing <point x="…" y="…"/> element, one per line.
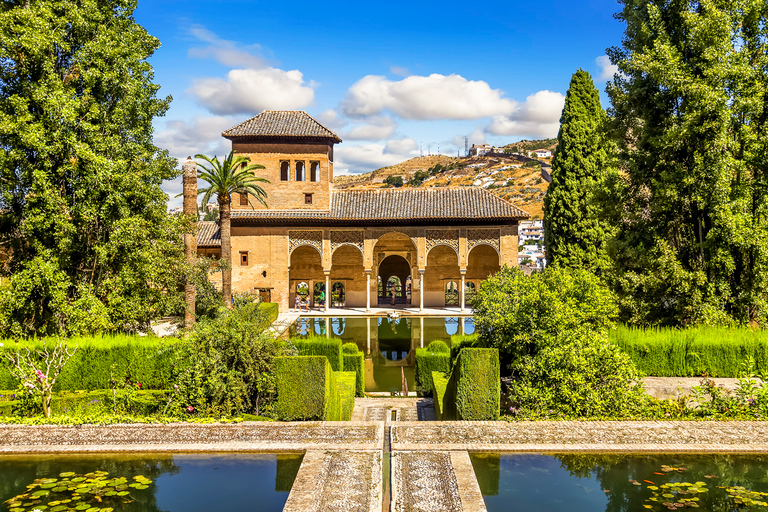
<point x="473" y="391"/>
<point x="439" y="386"/>
<point x="308" y="389"/>
<point x="270" y="310"/>
<point x="328" y="347"/>
<point x="140" y="403"/>
<point x="304" y="385"/>
<point x="435" y="358"/>
<point x="460" y="341"/>
<point x="346" y="383"/>
<point x="145" y="360"/>
<point x="356" y="363"/>
<point x="718" y="351"/>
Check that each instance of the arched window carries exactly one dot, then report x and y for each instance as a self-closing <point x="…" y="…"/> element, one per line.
<point x="470" y="290"/>
<point x="285" y="171"/>
<point x="314" y="171"/>
<point x="299" y="171"/>
<point x="337" y="295"/>
<point x="317" y="298"/>
<point x="451" y="293"/>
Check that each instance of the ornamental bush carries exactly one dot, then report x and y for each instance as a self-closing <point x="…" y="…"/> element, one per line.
<point x="316" y="346"/>
<point x="521" y="315"/>
<point x="474" y="389"/>
<point x="435" y="358"/>
<point x="583" y="376"/>
<point x="355" y="362"/>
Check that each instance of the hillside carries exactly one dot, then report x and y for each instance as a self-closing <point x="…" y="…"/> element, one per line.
<point x="514" y="178"/>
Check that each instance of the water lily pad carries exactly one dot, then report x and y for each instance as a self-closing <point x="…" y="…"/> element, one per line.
<point x="123" y="493"/>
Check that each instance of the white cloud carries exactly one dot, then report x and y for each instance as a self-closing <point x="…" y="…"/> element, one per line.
<point x="538" y="116"/>
<point x="249" y="91"/>
<point x="425" y="97"/>
<point x="331" y="120"/>
<point x="399" y="71"/>
<point x="607" y="70"/>
<point x="228" y="53"/>
<point x="374" y="128"/>
<point x="368" y="157"/>
<point x="198" y="135"/>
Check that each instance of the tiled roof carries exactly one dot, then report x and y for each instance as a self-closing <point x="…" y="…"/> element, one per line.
<point x="414" y="205"/>
<point x="208" y="234"/>
<point x="281" y="123"/>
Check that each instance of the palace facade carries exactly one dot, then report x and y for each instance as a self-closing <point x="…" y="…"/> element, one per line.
<point x="429" y="247"/>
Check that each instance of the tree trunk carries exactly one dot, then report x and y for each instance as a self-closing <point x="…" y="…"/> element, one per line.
<point x="190" y="239"/>
<point x="226" y="249"/>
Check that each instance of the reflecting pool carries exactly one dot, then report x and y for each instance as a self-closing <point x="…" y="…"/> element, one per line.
<point x="147" y="483"/>
<point x="622" y="483"/>
<point x="389" y="345"/>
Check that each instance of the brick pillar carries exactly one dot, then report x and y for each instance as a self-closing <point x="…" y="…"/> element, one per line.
<point x="190" y="239"/>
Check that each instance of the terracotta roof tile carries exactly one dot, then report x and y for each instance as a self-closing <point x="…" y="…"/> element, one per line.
<point x="208" y="234"/>
<point x="423" y="204"/>
<point x="281" y="123"/>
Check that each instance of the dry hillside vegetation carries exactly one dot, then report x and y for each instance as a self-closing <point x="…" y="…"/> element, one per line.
<point x="505" y="177"/>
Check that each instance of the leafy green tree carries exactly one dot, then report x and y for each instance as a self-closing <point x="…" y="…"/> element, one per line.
<point x="520" y="315"/>
<point x="418" y="178"/>
<point x="690" y="114"/>
<point x="393" y="181"/>
<point x="575" y="236"/>
<point x="83" y="219"/>
<point x="233" y="175"/>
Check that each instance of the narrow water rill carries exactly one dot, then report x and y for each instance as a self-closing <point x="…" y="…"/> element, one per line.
<point x="389" y="344"/>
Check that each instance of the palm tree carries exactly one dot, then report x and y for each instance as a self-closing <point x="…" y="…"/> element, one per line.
<point x="232" y="175"/>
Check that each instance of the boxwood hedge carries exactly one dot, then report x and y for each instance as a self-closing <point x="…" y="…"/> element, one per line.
<point x="473" y="391"/>
<point x="308" y="389"/>
<point x="434" y="358"/>
<point x="328" y="347"/>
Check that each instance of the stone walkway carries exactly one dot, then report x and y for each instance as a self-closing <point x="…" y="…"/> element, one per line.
<point x="430" y="466"/>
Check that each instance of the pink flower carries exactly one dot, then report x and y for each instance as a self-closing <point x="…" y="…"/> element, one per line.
<point x="175" y="386"/>
<point x="190" y="408"/>
<point x="40" y="375"/>
<point x="139" y="385"/>
<point x="30" y="385"/>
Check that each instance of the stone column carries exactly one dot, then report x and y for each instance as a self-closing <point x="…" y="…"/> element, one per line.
<point x="461" y="292"/>
<point x="421" y="289"/>
<point x="190" y="239"/>
<point x="368" y="290"/>
<point x="327" y="289"/>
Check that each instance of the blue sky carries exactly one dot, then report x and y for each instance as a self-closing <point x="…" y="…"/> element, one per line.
<point x="388" y="77"/>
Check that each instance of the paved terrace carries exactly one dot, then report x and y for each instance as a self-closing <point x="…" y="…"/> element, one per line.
<point x="430" y="466"/>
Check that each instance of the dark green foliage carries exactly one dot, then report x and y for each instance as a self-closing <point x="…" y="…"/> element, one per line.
<point x="208" y="300"/>
<point x="306" y="389"/>
<point x="474" y="389"/>
<point x="521" y="314"/>
<point x="328" y="347"/>
<point x="226" y="365"/>
<point x="393" y="181"/>
<point x="690" y="117"/>
<point x="429" y="360"/>
<point x="418" y="178"/>
<point x="355" y="362"/>
<point x="575" y="235"/>
<point x="716" y="351"/>
<point x="583" y="376"/>
<point x="439" y="387"/>
<point x="101" y="360"/>
<point x="461" y="341"/>
<point x="92" y="246"/>
<point x="346" y="390"/>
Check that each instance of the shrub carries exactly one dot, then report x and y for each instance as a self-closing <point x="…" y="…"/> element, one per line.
<point x="99" y="360"/>
<point x="306" y="389"/>
<point x="520" y="315"/>
<point x="225" y="367"/>
<point x="462" y="341"/>
<point x="474" y="389"/>
<point x="355" y="362"/>
<point x="716" y="351"/>
<point x="585" y="376"/>
<point x="328" y="347"/>
<point x="350" y="348"/>
<point x="346" y="384"/>
<point x="429" y="360"/>
<point x="439" y="386"/>
<point x="142" y="403"/>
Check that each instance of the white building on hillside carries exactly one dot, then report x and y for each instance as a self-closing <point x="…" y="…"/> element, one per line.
<point x="543" y="153"/>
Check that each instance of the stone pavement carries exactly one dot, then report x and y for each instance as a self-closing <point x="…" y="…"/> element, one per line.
<point x="430" y="470"/>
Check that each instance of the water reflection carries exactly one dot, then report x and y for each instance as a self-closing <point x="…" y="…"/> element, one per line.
<point x="179" y="482"/>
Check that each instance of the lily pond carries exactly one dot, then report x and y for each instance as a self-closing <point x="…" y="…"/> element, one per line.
<point x="622" y="483"/>
<point x="146" y="483"/>
<point x="389" y="344"/>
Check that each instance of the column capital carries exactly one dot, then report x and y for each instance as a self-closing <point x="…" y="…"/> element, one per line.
<point x="327" y="272"/>
<point x="421" y="271"/>
<point x="368" y="270"/>
<point x="462" y="271"/>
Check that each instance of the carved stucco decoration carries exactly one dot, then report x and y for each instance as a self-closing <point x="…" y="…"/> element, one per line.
<point x="477" y="237"/>
<point x="449" y="237"/>
<point x="354" y="238"/>
<point x="310" y="238"/>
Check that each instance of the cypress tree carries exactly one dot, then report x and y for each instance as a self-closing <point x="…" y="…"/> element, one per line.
<point x="573" y="234"/>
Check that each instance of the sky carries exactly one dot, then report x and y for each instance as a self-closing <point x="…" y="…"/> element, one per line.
<point x="393" y="79"/>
